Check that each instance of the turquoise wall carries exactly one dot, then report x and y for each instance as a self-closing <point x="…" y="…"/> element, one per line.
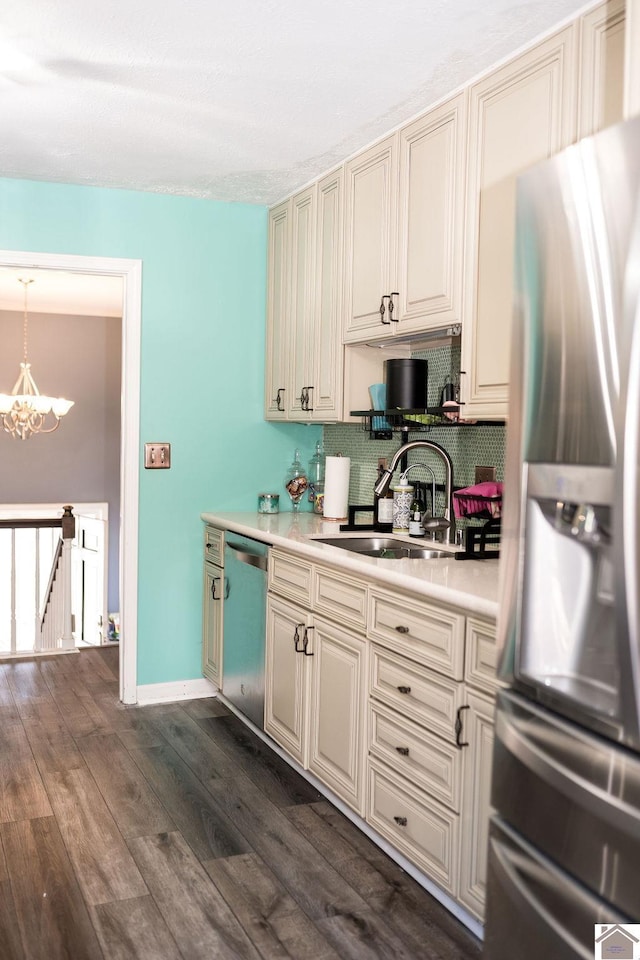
<point x="202" y="378"/>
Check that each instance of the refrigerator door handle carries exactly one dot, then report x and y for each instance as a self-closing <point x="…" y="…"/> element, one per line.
<point x="586" y="794"/>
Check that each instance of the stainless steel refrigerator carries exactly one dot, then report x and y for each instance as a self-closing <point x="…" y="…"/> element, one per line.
<point x="564" y="847"/>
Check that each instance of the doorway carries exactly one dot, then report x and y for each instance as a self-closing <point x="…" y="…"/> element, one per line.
<point x="131" y="273"/>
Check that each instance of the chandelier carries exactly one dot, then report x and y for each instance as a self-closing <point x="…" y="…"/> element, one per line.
<point x="25" y="411"/>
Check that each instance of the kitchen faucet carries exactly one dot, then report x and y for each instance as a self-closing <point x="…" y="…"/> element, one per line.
<point x="382" y="485"/>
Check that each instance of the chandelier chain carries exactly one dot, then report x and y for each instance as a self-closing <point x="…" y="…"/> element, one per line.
<point x="25" y="284"/>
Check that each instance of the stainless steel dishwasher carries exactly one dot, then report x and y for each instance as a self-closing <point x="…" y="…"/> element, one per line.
<point x="245" y="618"/>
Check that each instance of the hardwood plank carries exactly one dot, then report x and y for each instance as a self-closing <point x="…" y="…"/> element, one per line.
<point x="315" y="885"/>
<point x="194" y="910"/>
<point x="365" y="937"/>
<point x="132" y="803"/>
<point x="342" y="826"/>
<point x="134" y="930"/>
<point x="328" y="841"/>
<point x="8" y="709"/>
<point x="51" y="914"/>
<point x="207" y="829"/>
<point x="10" y="941"/>
<point x="207" y="707"/>
<point x="279" y="781"/>
<point x="103" y="864"/>
<point x="22" y="793"/>
<point x="52" y="746"/>
<point x="197" y="749"/>
<point x="270" y="916"/>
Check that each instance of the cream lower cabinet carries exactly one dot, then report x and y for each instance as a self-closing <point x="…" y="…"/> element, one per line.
<point x="212" y="604"/>
<point x="431" y="738"/>
<point x="316" y="675"/>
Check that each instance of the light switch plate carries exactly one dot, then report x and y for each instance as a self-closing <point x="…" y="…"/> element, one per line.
<point x="157" y="456"/>
<point x="484" y="474"/>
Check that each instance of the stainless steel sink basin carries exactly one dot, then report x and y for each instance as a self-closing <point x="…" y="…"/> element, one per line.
<point x="384" y="547"/>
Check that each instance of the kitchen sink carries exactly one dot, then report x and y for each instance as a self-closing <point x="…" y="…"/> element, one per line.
<point x="385" y="548"/>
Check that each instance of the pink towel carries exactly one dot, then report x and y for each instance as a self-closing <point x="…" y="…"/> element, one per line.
<point x="468" y="502"/>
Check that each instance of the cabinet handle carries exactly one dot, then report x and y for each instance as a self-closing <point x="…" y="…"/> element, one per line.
<point x="297" y="638"/>
<point x="305" y="642"/>
<point x="401" y="821"/>
<point x="307" y="408"/>
<point x="391" y="307"/>
<point x="404" y="689"/>
<point x="458" y="727"/>
<point x="403" y="751"/>
<point x="277" y="399"/>
<point x="383" y="309"/>
<point x="402" y="629"/>
<point x="214" y="595"/>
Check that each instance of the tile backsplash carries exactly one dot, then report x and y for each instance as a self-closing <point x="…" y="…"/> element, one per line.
<point x="467" y="446"/>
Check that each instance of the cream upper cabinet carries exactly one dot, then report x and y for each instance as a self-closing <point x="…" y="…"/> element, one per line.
<point x="404" y="228"/>
<point x="371" y="197"/>
<point x="328" y="352"/>
<point x="431" y="218"/>
<point x="302" y="294"/>
<point x="278" y="301"/>
<point x="601" y="90"/>
<point x="519" y="114"/>
<point x="304" y="330"/>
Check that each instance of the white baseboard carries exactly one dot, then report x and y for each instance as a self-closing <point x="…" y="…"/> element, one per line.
<point x="175" y="690"/>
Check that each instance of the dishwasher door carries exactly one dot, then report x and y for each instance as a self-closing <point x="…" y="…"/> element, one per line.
<point x="245" y="618"/>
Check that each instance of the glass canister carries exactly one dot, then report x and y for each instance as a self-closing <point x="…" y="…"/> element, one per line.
<point x="315" y="473"/>
<point x="402" y="500"/>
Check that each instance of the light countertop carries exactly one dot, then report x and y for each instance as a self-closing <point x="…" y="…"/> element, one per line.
<point x="470" y="584"/>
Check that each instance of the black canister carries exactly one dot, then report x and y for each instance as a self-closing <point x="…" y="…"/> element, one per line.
<point x="406" y="381"/>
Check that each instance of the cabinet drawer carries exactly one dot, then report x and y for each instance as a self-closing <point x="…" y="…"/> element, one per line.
<point x="340" y="597"/>
<point x="482" y="655"/>
<point x="214" y="545"/>
<point x="425" y="760"/>
<point x="425" y="633"/>
<point x="426" y="697"/>
<point x="426" y="832"/>
<point x="290" y="576"/>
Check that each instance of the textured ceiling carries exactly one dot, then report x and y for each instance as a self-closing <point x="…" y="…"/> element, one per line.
<point x="241" y="100"/>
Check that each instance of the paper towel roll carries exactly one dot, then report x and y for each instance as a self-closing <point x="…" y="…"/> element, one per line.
<point x="336" y="487"/>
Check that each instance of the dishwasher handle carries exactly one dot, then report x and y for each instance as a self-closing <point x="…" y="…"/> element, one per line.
<point x="245" y="556"/>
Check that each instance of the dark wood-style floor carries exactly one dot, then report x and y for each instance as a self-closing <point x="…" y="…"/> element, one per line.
<point x="168" y="832"/>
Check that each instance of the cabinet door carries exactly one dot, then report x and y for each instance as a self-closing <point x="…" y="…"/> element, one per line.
<point x="301" y="339"/>
<point x="336" y="752"/>
<point x="601" y="90"/>
<point x="476" y="793"/>
<point x="212" y="612"/>
<point x="370" y="239"/>
<point x="278" y="297"/>
<point x="520" y="114"/>
<point x="431" y="211"/>
<point x="286" y="677"/>
<point x="326" y="336"/>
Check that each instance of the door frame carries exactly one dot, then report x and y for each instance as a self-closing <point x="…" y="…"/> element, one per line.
<point x="131" y="273"/>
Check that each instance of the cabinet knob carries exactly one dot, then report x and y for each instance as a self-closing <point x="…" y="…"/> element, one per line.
<point x="401" y="821"/>
<point x="403" y="751"/>
<point x="402" y="629"/>
<point x="404" y="689"/>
